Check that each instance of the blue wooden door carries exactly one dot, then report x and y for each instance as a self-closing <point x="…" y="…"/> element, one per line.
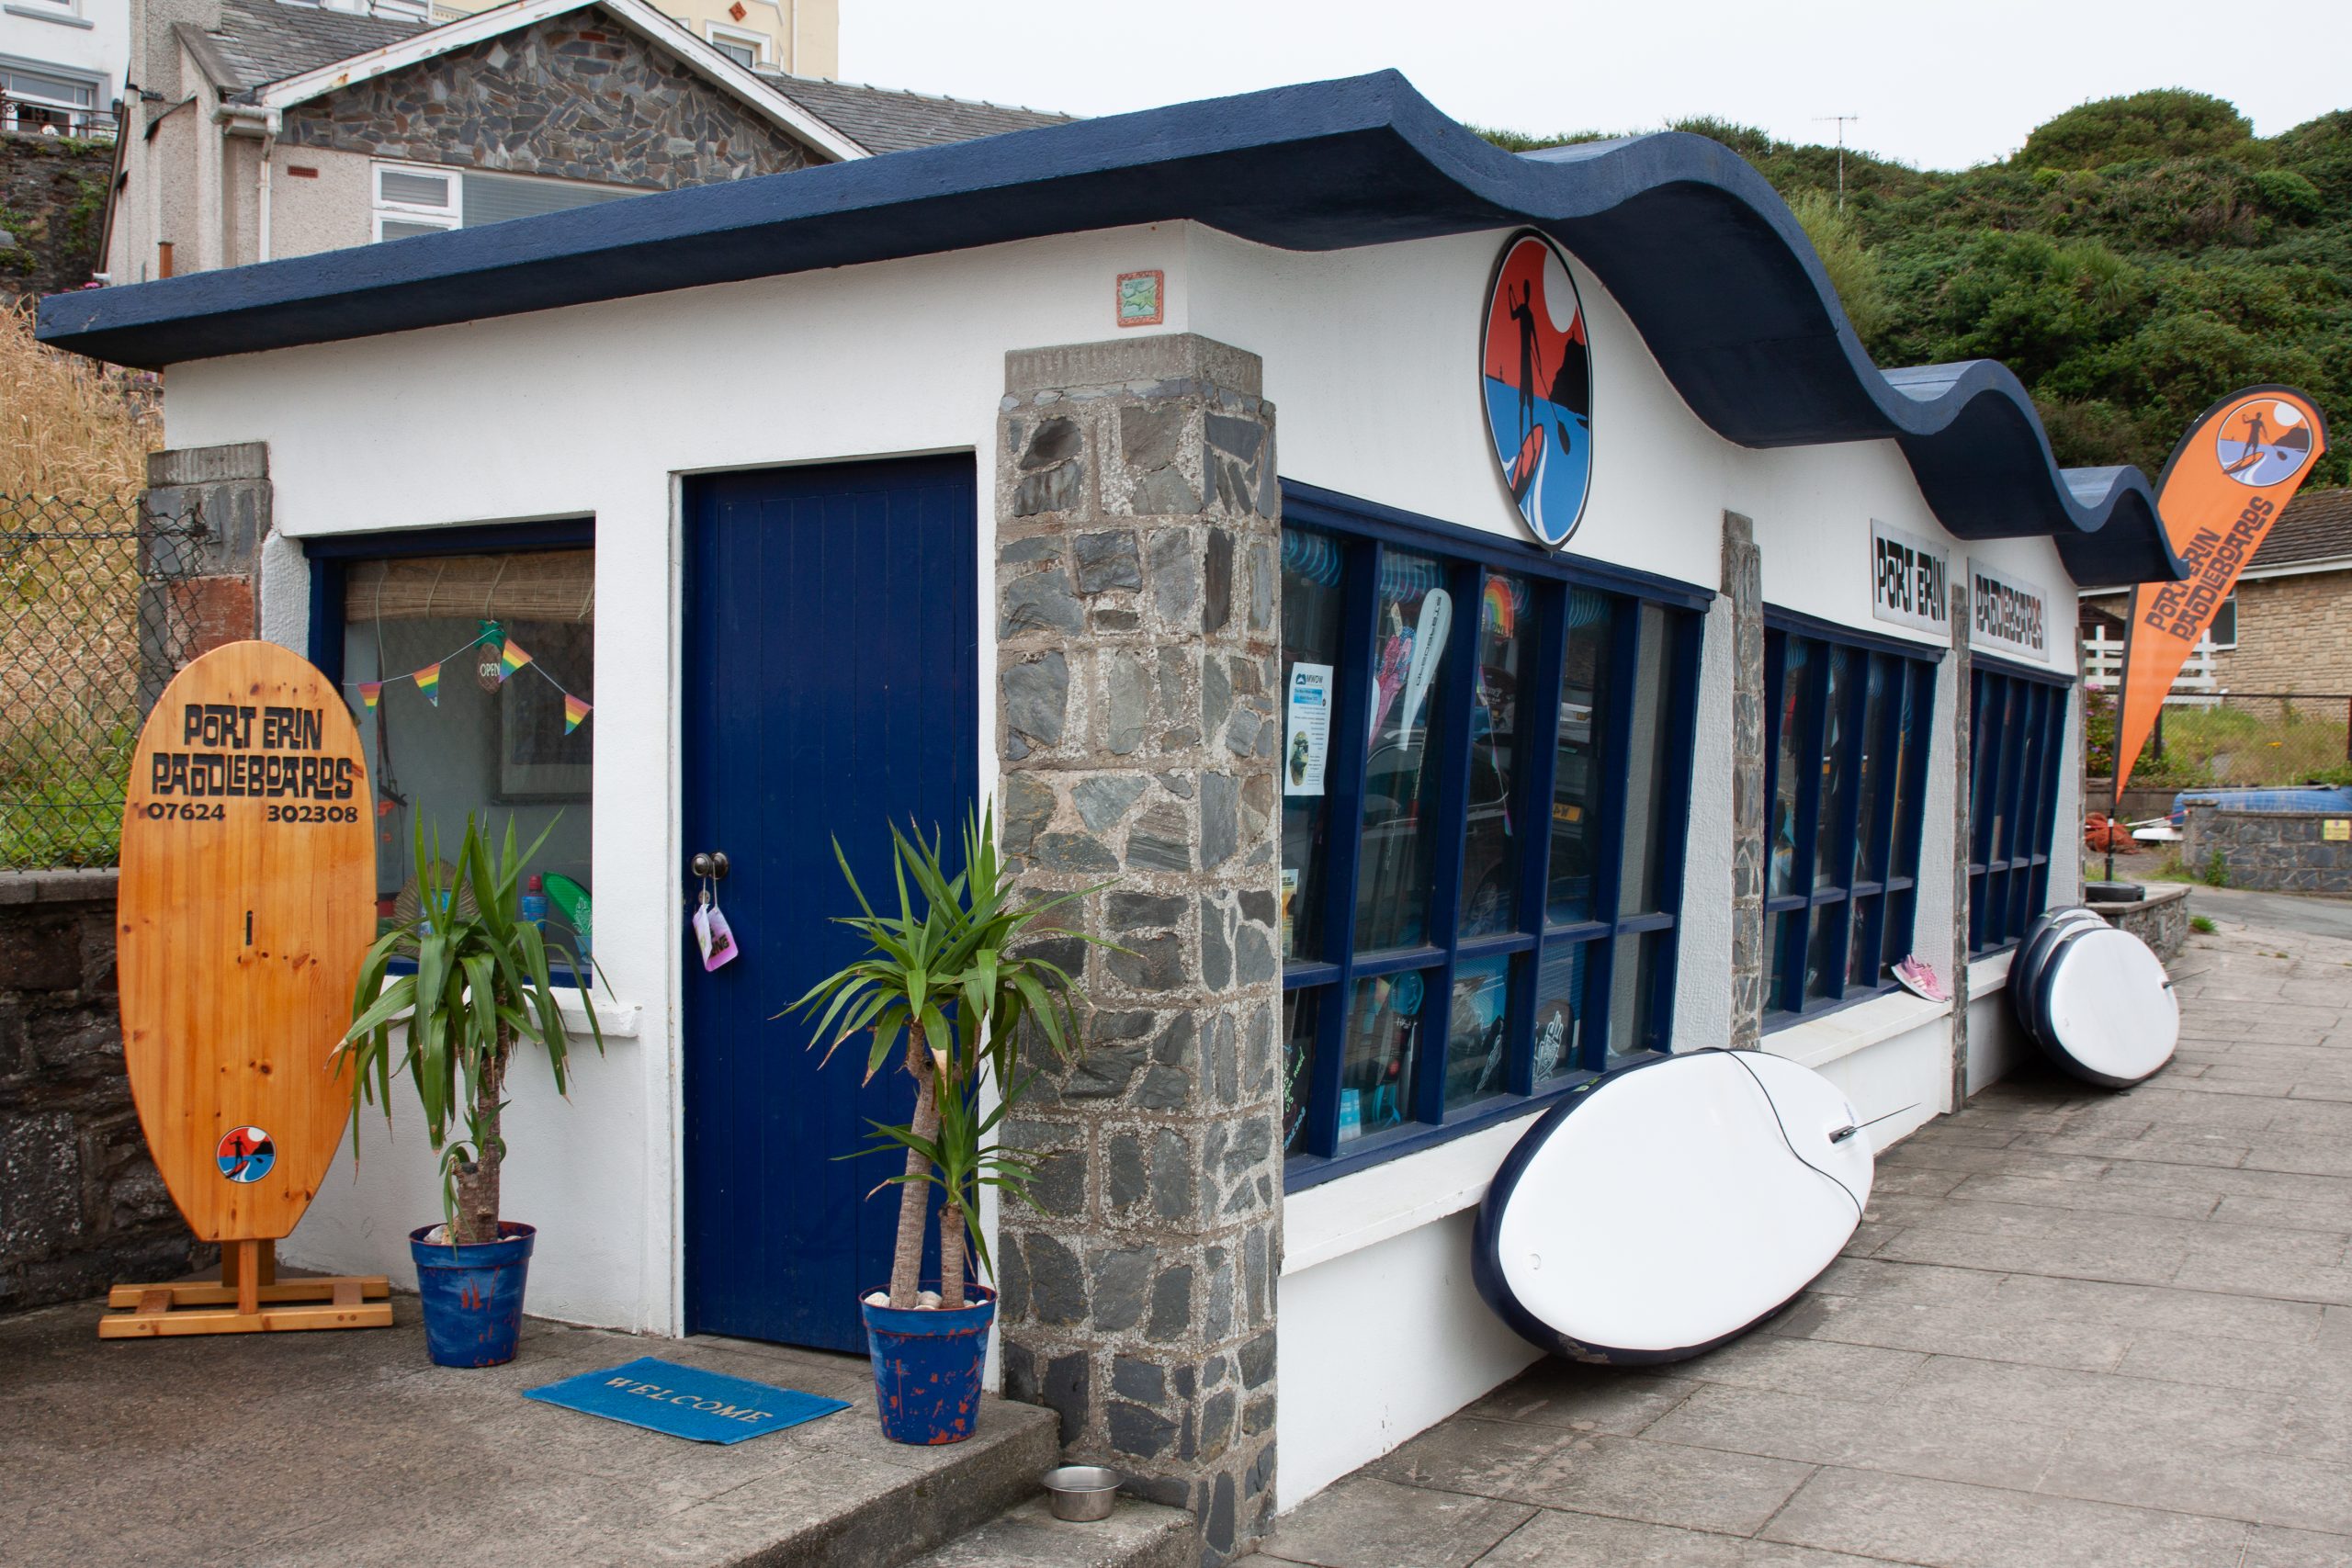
<point x="828" y="684"/>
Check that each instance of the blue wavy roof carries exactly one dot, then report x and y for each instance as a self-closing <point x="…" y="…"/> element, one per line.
<point x="1696" y="247"/>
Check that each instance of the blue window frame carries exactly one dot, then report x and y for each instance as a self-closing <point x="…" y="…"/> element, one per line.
<point x="1446" y="963"/>
<point x="1848" y="727"/>
<point x="503" y="754"/>
<point x="2017" y="739"/>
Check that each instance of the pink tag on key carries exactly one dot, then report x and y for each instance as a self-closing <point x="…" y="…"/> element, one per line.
<point x="716" y="938"/>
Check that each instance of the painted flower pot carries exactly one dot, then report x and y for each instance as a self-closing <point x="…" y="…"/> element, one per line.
<point x="927" y="1366"/>
<point x="473" y="1295"/>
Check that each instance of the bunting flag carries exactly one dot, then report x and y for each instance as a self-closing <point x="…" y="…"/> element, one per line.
<point x="512" y="657"/>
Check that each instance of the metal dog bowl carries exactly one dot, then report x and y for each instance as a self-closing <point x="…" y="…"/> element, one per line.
<point x="1081" y="1491"/>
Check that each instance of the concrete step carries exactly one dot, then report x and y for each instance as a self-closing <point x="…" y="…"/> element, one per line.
<point x="1137" y="1535"/>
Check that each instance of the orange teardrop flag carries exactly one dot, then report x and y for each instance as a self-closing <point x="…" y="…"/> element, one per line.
<point x="2225" y="485"/>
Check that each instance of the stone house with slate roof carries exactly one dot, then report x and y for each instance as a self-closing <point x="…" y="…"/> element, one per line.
<point x="264" y="130"/>
<point x="2288" y="624"/>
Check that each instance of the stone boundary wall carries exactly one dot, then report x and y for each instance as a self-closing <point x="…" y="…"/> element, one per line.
<point x="2160" y="920"/>
<point x="2268" y="851"/>
<point x="81" y="1204"/>
<point x="53" y="196"/>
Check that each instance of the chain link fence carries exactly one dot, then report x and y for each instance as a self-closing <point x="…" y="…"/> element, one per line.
<point x="92" y="626"/>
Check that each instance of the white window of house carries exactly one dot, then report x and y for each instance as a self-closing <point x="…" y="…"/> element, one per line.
<point x="415" y="200"/>
<point x="747" y="50"/>
<point x="411" y="201"/>
<point x="493" y="199"/>
<point x="49" y="102"/>
<point x="2224" y="630"/>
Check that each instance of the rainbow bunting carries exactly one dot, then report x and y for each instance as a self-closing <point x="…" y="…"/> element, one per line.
<point x="369" y="692"/>
<point x="574" y="710"/>
<point x="513" y="657"/>
<point x="429" y="681"/>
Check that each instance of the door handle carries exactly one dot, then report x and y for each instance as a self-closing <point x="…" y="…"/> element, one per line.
<point x="711" y="864"/>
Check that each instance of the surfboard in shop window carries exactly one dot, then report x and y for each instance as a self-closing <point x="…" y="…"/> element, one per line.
<point x="1670" y="1206"/>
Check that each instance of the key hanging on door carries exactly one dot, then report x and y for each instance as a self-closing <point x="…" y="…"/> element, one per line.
<point x="712" y="933"/>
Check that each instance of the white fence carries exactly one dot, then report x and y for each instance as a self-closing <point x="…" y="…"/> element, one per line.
<point x="2196" y="683"/>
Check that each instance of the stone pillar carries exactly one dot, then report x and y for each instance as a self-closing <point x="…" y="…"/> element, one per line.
<point x="1136" y="578"/>
<point x="1743" y="582"/>
<point x="1962" y="712"/>
<point x="201" y="523"/>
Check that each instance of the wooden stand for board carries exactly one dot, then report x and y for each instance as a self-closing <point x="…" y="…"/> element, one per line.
<point x="246" y="898"/>
<point x="250" y="1299"/>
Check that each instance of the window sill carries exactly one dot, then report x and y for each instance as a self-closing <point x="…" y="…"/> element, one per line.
<point x="1819" y="1041"/>
<point x="46" y="14"/>
<point x="1990" y="973"/>
<point x="617" y="1021"/>
<point x="1369" y="1206"/>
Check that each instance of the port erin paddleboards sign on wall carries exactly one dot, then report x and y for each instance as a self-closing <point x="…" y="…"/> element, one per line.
<point x="247" y="899"/>
<point x="1535" y="381"/>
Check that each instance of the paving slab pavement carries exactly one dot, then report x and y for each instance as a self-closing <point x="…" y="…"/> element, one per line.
<point x="349" y="1448"/>
<point x="2076" y="1328"/>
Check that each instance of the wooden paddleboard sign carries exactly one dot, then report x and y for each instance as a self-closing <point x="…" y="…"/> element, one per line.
<point x="247" y="899"/>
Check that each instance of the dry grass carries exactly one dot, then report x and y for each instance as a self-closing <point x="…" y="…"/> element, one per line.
<point x="75" y="437"/>
<point x="71" y="427"/>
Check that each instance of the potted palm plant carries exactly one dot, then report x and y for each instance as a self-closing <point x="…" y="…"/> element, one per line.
<point x="942" y="981"/>
<point x="481" y="986"/>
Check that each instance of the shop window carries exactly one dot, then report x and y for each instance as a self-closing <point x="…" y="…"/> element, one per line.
<point x="482" y="666"/>
<point x="2016" y="741"/>
<point x="1485" y="772"/>
<point x="1848" y="727"/>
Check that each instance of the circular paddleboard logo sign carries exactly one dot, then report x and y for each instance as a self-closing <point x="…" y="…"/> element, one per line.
<point x="1536" y="377"/>
<point x="2262" y="442"/>
<point x="247" y="1154"/>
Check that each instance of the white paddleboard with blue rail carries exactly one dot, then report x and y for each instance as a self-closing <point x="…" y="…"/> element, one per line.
<point x="1671" y="1205"/>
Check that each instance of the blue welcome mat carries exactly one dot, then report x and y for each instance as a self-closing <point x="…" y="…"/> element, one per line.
<point x="706" y="1406"/>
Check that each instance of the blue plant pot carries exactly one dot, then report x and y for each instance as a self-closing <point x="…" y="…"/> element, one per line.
<point x="927" y="1366"/>
<point x="472" y="1295"/>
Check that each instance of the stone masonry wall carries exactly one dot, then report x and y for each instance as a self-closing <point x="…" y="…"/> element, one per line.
<point x="2294" y="635"/>
<point x="2160" y="920"/>
<point x="1743" y="585"/>
<point x="577" y="96"/>
<point x="202" y="522"/>
<point x="53" y="196"/>
<point x="1136" y="594"/>
<point x="2268" y="851"/>
<point x="81" y="1204"/>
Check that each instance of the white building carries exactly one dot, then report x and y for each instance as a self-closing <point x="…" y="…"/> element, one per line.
<point x="848" y="493"/>
<point x="61" y="64"/>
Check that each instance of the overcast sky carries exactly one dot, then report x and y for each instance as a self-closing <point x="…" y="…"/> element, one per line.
<point x="1936" y="83"/>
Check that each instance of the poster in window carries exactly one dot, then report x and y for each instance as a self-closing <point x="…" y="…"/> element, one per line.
<point x="537" y="760"/>
<point x="1308" y="739"/>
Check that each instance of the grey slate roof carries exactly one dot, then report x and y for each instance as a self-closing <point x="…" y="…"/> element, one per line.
<point x="263" y="42"/>
<point x="883" y="120"/>
<point x="2316" y="527"/>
